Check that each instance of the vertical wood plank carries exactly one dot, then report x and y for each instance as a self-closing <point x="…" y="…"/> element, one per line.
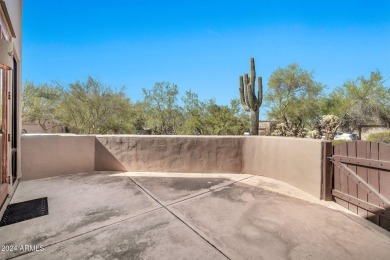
<point x="336" y="170"/>
<point x="352" y="186"/>
<point x="361" y="152"/>
<point x="373" y="180"/>
<point x="343" y="178"/>
<point x="384" y="181"/>
<point x="327" y="171"/>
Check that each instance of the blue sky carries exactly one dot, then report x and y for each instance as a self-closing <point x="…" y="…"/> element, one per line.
<point x="202" y="45"/>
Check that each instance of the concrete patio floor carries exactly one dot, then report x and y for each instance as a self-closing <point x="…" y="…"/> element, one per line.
<point x="114" y="215"/>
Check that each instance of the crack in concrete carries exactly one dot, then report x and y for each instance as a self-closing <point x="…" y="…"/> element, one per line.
<point x="185" y="199"/>
<point x="162" y="206"/>
<point x="206" y="240"/>
<point x="87" y="232"/>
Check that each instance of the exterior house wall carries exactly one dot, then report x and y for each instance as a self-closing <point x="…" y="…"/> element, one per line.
<point x="1" y="152"/>
<point x="11" y="13"/>
<point x="14" y="8"/>
<point x="33" y="128"/>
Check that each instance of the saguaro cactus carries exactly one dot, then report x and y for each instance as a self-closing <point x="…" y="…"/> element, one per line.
<point x="248" y="98"/>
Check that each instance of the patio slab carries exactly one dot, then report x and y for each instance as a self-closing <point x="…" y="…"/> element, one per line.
<point x="115" y="215"/>
<point x="77" y="203"/>
<point x="170" y="188"/>
<point x="155" y="235"/>
<point x="248" y="222"/>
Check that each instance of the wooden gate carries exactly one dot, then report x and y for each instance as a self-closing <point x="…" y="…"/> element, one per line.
<point x="361" y="179"/>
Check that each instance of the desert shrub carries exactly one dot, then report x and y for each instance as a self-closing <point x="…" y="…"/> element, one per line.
<point x="314" y="134"/>
<point x="325" y="128"/>
<point x="283" y="129"/>
<point x="329" y="125"/>
<point x="383" y="137"/>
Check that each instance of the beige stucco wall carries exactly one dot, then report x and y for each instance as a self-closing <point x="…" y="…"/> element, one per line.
<point x="292" y="160"/>
<point x="52" y="155"/>
<point x="296" y="161"/>
<point x="14" y="8"/>
<point x="105" y="160"/>
<point x="205" y="154"/>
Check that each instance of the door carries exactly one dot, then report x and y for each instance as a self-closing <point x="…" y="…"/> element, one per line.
<point x="14" y="123"/>
<point x="5" y="180"/>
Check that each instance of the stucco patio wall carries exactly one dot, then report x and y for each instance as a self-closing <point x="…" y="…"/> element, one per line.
<point x="49" y="155"/>
<point x="295" y="161"/>
<point x="196" y="154"/>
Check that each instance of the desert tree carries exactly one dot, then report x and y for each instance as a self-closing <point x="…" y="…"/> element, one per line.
<point x="293" y="98"/>
<point x="40" y="104"/>
<point x="91" y="107"/>
<point x="163" y="114"/>
<point x="362" y="101"/>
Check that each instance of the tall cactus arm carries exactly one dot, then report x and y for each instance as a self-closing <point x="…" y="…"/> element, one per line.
<point x="253" y="73"/>
<point x="252" y="99"/>
<point x="242" y="94"/>
<point x="246" y="82"/>
<point x="249" y="89"/>
<point x="260" y="92"/>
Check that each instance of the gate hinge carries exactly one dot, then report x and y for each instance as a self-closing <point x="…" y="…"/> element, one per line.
<point x="9" y="179"/>
<point x="9" y="137"/>
<point x="9" y="95"/>
<point x="330" y="158"/>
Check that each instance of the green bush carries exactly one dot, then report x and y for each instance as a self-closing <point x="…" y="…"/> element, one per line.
<point x="383" y="137"/>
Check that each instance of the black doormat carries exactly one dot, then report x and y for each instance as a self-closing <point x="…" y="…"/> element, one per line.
<point x="25" y="210"/>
